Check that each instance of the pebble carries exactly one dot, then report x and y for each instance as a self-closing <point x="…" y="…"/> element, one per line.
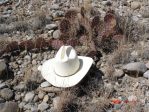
<point x="54" y="7"/>
<point x="29" y="96"/>
<point x="41" y="95"/>
<point x="135" y="5"/>
<point x="118" y="73"/>
<point x="34" y="62"/>
<point x="6" y="93"/>
<point x="146" y="74"/>
<point x="51" y="26"/>
<point x="36" y="98"/>
<point x="20" y="87"/>
<point x="56" y="101"/>
<point x="22" y="104"/>
<point x="2" y="67"/>
<point x="45" y="84"/>
<point x="43" y="106"/>
<point x="56" y="34"/>
<point x="9" y="107"/>
<point x="2" y="85"/>
<point x="46" y="98"/>
<point x="137" y="67"/>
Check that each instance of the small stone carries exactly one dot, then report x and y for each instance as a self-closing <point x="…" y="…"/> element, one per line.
<point x="17" y="97"/>
<point x="135" y="5"/>
<point x="27" y="57"/>
<point x="20" y="87"/>
<point x="118" y="73"/>
<point x="51" y="26"/>
<point x="135" y="68"/>
<point x="41" y="95"/>
<point x="36" y="98"/>
<point x="34" y="62"/>
<point x="2" y="68"/>
<point x="56" y="34"/>
<point x="43" y="106"/>
<point x="8" y="107"/>
<point x="54" y="7"/>
<point x="56" y="101"/>
<point x="29" y="96"/>
<point x="22" y="104"/>
<point x="46" y="98"/>
<point x="45" y="84"/>
<point x="34" y="56"/>
<point x="146" y="74"/>
<point x="6" y="93"/>
<point x="2" y="85"/>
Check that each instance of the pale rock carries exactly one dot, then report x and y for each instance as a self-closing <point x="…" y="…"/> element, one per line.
<point x="43" y="106"/>
<point x="146" y="74"/>
<point x="56" y="34"/>
<point x="136" y="67"/>
<point x="29" y="96"/>
<point x="135" y="5"/>
<point x="46" y="98"/>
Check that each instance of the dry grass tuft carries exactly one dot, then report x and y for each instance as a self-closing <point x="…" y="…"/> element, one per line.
<point x="66" y="102"/>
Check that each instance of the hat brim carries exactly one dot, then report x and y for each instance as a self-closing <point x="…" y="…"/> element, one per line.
<point x="49" y="74"/>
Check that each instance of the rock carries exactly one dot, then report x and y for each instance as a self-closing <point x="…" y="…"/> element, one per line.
<point x="56" y="34"/>
<point x="50" y="89"/>
<point x="41" y="95"/>
<point x="137" y="68"/>
<point x="146" y="74"/>
<point x="9" y="107"/>
<point x="118" y="73"/>
<point x="2" y="68"/>
<point x="147" y="65"/>
<point x="51" y="26"/>
<point x="17" y="97"/>
<point x="56" y="101"/>
<point x="27" y="57"/>
<point x="20" y="87"/>
<point x="34" y="56"/>
<point x="54" y="7"/>
<point x="34" y="62"/>
<point x="36" y="98"/>
<point x="2" y="85"/>
<point x="21" y="105"/>
<point x="46" y="98"/>
<point x="135" y="5"/>
<point x="45" y="84"/>
<point x="43" y="106"/>
<point x="6" y="93"/>
<point x="29" y="96"/>
<point x="50" y="33"/>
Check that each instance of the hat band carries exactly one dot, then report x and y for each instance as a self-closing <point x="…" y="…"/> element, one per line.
<point x="69" y="71"/>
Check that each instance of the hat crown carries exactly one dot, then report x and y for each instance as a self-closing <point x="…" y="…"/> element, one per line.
<point x="66" y="61"/>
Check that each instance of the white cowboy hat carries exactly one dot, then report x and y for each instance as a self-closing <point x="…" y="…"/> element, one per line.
<point x="66" y="69"/>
